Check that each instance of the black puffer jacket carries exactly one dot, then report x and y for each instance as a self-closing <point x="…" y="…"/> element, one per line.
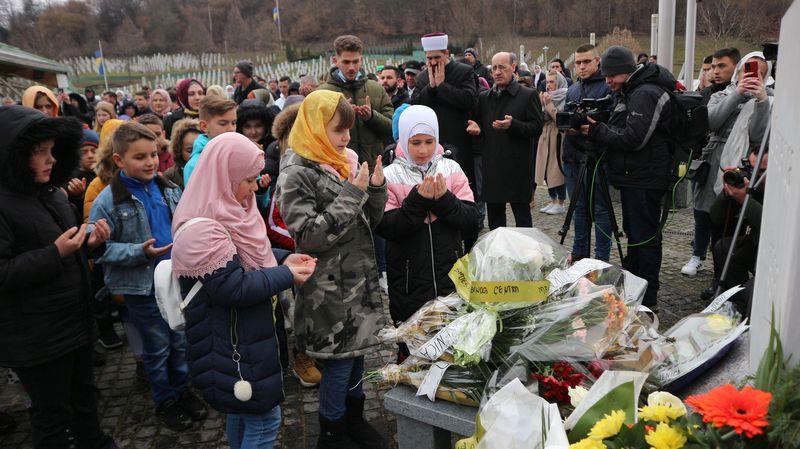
<point x="45" y="300"/>
<point x="424" y="236"/>
<point x="637" y="137"/>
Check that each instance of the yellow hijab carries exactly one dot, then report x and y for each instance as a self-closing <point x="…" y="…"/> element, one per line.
<point x="308" y="137"/>
<point x="29" y="97"/>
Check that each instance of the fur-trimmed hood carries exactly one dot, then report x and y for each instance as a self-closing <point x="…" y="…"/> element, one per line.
<point x="24" y="127"/>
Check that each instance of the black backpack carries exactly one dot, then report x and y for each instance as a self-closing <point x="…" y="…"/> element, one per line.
<point x="688" y="124"/>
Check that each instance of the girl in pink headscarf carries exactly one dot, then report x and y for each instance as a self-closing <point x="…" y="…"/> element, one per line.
<point x="230" y="330"/>
<point x="160" y="104"/>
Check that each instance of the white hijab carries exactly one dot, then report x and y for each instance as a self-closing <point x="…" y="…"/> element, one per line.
<point x="417" y="119"/>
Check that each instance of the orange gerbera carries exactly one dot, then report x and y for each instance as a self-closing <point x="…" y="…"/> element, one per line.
<point x="745" y="411"/>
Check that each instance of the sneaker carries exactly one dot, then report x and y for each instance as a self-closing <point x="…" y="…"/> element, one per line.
<point x="692" y="266"/>
<point x="193" y="406"/>
<point x="547" y="208"/>
<point x="556" y="209"/>
<point x="110" y="340"/>
<point x="384" y="283"/>
<point x="306" y="371"/>
<point x="173" y="417"/>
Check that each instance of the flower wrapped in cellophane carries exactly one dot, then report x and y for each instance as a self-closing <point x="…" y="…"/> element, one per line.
<point x="697" y="342"/>
<point x="507" y="269"/>
<point x="418" y="331"/>
<point x="580" y="326"/>
<point x="441" y="379"/>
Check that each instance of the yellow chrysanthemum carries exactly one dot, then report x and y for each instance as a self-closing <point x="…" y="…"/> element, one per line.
<point x="588" y="443"/>
<point x="660" y="413"/>
<point x="665" y="437"/>
<point x="608" y="426"/>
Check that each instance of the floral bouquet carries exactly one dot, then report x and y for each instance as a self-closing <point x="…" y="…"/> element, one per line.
<point x="440" y="380"/>
<point x="507" y="269"/>
<point x="420" y="330"/>
<point x="581" y="328"/>
<point x="696" y="343"/>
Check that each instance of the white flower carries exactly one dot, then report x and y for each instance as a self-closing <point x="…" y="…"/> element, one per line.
<point x="577" y="395"/>
<point x="664" y="398"/>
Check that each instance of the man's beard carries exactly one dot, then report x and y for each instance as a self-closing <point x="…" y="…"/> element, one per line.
<point x="390" y="90"/>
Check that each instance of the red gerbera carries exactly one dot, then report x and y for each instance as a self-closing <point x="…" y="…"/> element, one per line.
<point x="745" y="411"/>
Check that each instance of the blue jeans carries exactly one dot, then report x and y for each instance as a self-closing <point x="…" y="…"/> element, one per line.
<point x="641" y="220"/>
<point x="380" y="252"/>
<point x="340" y="378"/>
<point x="163" y="350"/>
<point x="602" y="222"/>
<point x="247" y="431"/>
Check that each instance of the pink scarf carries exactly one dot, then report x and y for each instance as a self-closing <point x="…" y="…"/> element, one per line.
<point x="204" y="247"/>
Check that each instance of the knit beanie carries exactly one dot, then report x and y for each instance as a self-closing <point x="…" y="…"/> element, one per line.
<point x="617" y="60"/>
<point x="472" y="52"/>
<point x="246" y="67"/>
<point x="90" y="138"/>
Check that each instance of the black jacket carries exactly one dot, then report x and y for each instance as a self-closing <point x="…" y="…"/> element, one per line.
<point x="481" y="71"/>
<point x="400" y="96"/>
<point x="240" y="94"/>
<point x="45" y="300"/>
<point x="453" y="102"/>
<point x="420" y="253"/>
<point x="637" y="137"/>
<point x="725" y="212"/>
<point x="508" y="155"/>
<point x="593" y="87"/>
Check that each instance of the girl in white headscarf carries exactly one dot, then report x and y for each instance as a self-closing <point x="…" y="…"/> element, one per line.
<point x="548" y="155"/>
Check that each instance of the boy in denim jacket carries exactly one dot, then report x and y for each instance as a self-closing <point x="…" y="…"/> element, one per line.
<point x="138" y="205"/>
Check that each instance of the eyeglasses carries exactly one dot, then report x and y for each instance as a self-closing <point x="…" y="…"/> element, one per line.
<point x="584" y="62"/>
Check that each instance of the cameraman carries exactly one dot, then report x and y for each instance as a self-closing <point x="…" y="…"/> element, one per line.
<point x="638" y="149"/>
<point x="724" y="213"/>
<point x="590" y="85"/>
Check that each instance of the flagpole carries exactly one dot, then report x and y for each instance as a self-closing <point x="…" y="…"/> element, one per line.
<point x="277" y="6"/>
<point x="103" y="63"/>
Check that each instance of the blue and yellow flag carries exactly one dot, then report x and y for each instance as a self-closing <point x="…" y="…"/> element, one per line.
<point x="99" y="63"/>
<point x="276" y="15"/>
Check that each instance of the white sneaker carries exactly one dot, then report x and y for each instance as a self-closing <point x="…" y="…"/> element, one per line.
<point x="557" y="209"/>
<point x="547" y="208"/>
<point x="384" y="283"/>
<point x="692" y="266"/>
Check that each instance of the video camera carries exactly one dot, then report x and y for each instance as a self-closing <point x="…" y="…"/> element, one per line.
<point x="735" y="177"/>
<point x="577" y="113"/>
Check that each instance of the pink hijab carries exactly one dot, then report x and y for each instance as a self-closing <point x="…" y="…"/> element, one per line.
<point x="168" y="102"/>
<point x="204" y="247"/>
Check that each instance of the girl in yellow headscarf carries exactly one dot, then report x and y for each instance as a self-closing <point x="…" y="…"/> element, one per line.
<point x="330" y="208"/>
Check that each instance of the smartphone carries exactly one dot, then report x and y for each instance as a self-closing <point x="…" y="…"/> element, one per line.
<point x="751" y="69"/>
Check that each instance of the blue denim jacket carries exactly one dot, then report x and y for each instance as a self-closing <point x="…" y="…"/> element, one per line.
<point x="126" y="268"/>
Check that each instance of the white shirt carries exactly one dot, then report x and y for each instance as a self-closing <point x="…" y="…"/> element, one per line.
<point x="280" y="102"/>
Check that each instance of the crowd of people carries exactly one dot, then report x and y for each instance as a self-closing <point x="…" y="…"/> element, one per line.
<point x="292" y="207"/>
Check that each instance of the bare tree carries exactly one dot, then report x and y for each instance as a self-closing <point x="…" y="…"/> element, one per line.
<point x="723" y="20"/>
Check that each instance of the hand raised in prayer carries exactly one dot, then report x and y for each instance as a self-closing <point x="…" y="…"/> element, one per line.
<point x="361" y="179"/>
<point x="502" y="124"/>
<point x="377" y="178"/>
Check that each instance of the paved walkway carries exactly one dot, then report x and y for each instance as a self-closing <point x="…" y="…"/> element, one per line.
<point x="126" y="408"/>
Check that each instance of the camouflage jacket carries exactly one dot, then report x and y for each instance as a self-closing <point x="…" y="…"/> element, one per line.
<point x="339" y="310"/>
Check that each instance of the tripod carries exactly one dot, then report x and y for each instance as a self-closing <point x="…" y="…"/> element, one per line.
<point x="581" y="190"/>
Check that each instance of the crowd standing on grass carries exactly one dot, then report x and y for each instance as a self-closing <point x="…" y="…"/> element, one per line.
<point x="297" y="207"/>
